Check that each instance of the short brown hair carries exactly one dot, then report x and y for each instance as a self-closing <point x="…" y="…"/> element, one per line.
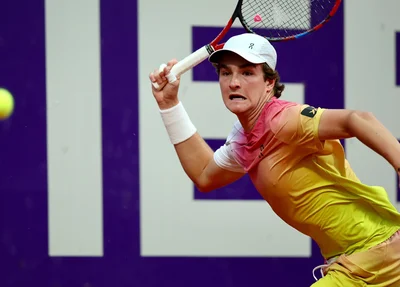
<point x="270" y="74"/>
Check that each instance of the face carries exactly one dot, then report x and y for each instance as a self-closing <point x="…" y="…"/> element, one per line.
<point x="244" y="90"/>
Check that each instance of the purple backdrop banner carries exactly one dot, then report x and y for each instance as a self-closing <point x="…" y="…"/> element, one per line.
<point x="397" y="73"/>
<point x="316" y="61"/>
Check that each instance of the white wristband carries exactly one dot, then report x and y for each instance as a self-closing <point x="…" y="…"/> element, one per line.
<point x="178" y="124"/>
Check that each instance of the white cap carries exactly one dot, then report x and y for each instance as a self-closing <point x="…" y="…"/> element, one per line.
<point x="252" y="47"/>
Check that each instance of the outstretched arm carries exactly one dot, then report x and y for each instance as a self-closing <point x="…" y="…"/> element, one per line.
<point x="339" y="124"/>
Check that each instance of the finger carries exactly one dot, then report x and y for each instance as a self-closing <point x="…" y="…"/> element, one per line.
<point x="156" y="80"/>
<point x="158" y="77"/>
<point x="169" y="66"/>
<point x="162" y="75"/>
<point x="172" y="62"/>
<point x="170" y="76"/>
<point x="162" y="68"/>
<point x="156" y="87"/>
<point x="152" y="78"/>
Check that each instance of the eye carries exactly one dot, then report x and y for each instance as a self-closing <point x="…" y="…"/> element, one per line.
<point x="247" y="73"/>
<point x="224" y="73"/>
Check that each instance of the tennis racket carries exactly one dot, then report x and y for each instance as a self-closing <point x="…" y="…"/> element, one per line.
<point x="276" y="20"/>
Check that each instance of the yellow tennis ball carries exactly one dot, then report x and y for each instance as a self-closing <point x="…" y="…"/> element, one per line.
<point x="6" y="104"/>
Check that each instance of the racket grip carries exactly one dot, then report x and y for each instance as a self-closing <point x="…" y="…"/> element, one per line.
<point x="185" y="64"/>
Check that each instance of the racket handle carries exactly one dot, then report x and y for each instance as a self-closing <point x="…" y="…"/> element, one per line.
<point x="185" y="64"/>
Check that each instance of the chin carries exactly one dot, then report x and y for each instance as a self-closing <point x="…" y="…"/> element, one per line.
<point x="237" y="107"/>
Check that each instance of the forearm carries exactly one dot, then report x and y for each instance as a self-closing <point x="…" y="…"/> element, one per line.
<point x="373" y="134"/>
<point x="194" y="154"/>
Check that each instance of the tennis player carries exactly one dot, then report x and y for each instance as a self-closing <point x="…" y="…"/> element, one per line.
<point x="293" y="156"/>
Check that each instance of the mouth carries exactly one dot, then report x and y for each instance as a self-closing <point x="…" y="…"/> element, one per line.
<point x="235" y="97"/>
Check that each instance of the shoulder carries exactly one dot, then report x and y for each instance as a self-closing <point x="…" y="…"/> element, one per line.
<point x="281" y="112"/>
<point x="277" y="106"/>
<point x="291" y="119"/>
<point x="294" y="110"/>
<point x="236" y="132"/>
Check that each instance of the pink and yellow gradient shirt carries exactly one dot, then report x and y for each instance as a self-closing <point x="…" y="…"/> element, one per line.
<point x="308" y="182"/>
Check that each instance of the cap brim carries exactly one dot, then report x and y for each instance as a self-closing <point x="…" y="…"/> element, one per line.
<point x="215" y="56"/>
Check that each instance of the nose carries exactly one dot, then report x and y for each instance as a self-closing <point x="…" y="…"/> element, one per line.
<point x="234" y="83"/>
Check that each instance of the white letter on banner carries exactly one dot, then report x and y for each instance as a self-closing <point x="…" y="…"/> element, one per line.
<point x="370" y="82"/>
<point x="74" y="128"/>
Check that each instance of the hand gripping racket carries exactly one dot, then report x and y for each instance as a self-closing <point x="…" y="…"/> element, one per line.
<point x="276" y="20"/>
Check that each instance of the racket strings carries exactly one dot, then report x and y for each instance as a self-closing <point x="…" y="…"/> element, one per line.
<point x="284" y="18"/>
<point x="277" y="13"/>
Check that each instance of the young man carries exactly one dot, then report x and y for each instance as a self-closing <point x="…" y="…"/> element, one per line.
<point x="294" y="158"/>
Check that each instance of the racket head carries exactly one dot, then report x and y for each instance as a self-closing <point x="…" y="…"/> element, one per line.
<point x="282" y="20"/>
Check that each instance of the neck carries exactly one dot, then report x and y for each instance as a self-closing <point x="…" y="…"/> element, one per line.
<point x="249" y="120"/>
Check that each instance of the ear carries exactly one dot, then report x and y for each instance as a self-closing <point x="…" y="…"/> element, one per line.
<point x="269" y="85"/>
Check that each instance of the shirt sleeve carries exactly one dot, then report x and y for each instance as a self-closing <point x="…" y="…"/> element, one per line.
<point x="299" y="125"/>
<point x="223" y="157"/>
